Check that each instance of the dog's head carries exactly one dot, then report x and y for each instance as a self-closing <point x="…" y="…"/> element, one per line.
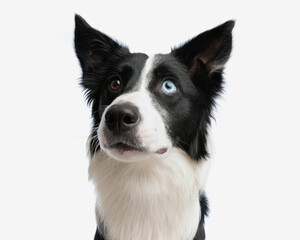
<point x="144" y="106"/>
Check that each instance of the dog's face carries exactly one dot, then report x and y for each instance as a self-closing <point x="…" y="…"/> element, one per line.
<point x="146" y="105"/>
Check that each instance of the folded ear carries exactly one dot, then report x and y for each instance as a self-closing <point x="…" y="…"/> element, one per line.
<point x="93" y="47"/>
<point x="207" y="52"/>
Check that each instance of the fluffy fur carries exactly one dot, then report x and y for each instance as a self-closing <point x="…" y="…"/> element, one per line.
<point x="148" y="149"/>
<point x="154" y="199"/>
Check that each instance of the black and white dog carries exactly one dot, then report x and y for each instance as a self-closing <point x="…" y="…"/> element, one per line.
<point x="149" y="147"/>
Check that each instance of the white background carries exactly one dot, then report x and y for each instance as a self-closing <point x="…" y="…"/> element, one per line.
<point x="254" y="182"/>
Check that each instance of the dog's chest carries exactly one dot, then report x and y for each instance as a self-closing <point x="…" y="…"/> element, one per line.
<point x="153" y="199"/>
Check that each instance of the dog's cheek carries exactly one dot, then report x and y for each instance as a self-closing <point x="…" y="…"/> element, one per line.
<point x="101" y="137"/>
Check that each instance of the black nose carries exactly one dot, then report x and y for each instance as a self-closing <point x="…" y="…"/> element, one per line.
<point x="120" y="118"/>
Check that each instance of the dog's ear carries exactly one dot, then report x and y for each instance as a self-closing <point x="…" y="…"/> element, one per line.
<point x="207" y="52"/>
<point x="205" y="57"/>
<point x="93" y="47"/>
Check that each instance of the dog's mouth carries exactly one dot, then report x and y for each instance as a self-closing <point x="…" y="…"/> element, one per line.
<point x="162" y="150"/>
<point x="124" y="147"/>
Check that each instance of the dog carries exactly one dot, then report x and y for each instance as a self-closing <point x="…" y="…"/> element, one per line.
<point x="149" y="143"/>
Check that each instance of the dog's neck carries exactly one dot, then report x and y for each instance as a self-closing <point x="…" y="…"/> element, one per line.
<point x="153" y="199"/>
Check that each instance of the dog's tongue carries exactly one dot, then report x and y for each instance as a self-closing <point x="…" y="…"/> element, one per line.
<point x="161" y="151"/>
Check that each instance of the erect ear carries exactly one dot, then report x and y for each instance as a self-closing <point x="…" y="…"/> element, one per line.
<point x="92" y="47"/>
<point x="207" y="52"/>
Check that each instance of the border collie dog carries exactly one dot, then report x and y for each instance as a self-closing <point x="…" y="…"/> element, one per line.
<point x="149" y="144"/>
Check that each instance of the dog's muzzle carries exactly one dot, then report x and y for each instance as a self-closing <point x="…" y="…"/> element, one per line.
<point x="120" y="133"/>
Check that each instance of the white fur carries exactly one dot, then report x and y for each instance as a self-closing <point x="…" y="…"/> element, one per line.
<point x="154" y="199"/>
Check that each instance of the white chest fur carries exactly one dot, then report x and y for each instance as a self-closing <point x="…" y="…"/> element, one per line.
<point x="156" y="199"/>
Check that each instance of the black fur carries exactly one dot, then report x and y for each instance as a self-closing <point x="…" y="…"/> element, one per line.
<point x="98" y="235"/>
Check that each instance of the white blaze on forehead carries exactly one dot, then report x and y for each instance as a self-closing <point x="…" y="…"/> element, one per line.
<point x="146" y="72"/>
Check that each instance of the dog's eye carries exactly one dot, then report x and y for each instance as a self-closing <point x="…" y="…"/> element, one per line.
<point x="115" y="84"/>
<point x="169" y="87"/>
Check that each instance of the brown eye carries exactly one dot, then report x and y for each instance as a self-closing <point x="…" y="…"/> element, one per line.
<point x="115" y="84"/>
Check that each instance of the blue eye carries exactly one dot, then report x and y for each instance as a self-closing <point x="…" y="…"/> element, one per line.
<point x="169" y="87"/>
